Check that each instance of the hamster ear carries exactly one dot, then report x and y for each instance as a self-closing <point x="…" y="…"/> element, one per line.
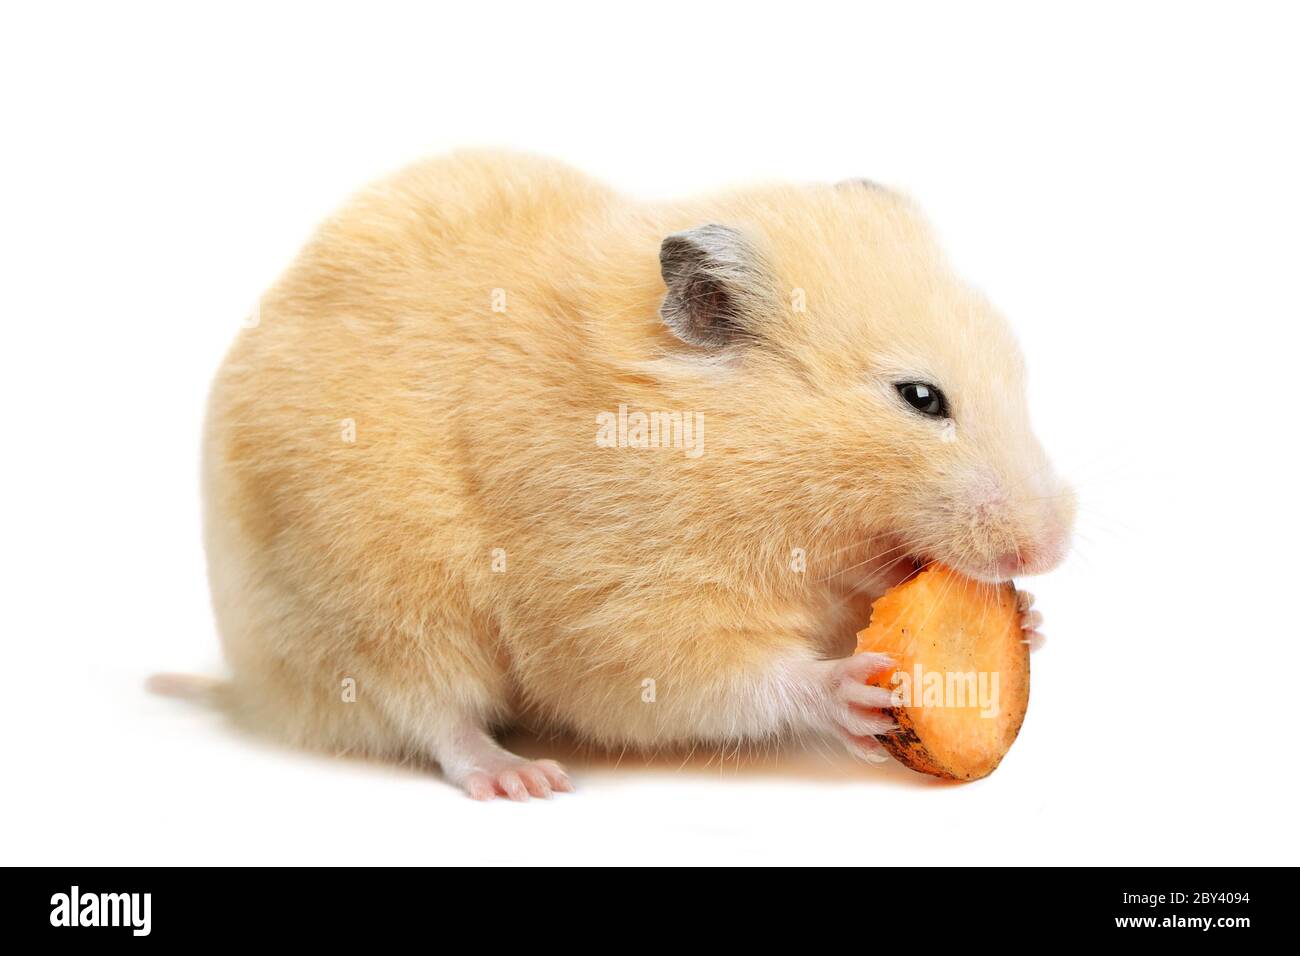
<point x="714" y="279"/>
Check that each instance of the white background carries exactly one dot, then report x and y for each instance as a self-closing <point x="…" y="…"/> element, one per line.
<point x="1121" y="179"/>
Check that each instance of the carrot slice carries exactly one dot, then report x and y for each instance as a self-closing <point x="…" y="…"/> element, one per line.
<point x="961" y="687"/>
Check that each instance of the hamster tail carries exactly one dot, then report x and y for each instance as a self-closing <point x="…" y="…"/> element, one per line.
<point x="204" y="690"/>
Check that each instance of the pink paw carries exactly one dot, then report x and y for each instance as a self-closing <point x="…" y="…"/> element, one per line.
<point x="1030" y="620"/>
<point x="855" y="707"/>
<point x="518" y="779"/>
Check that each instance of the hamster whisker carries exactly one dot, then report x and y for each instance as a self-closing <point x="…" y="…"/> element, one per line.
<point x="851" y="567"/>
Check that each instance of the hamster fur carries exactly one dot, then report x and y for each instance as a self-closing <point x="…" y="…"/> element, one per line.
<point x="415" y="538"/>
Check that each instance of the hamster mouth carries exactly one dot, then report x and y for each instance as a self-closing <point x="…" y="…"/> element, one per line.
<point x="899" y="570"/>
<point x="891" y="562"/>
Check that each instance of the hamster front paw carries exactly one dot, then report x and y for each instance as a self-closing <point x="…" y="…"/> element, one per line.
<point x="853" y="708"/>
<point x="1030" y="620"/>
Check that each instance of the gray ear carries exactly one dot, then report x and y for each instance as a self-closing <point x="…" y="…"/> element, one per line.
<point x="714" y="278"/>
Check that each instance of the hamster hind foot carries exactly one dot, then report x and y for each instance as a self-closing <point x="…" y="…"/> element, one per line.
<point x="470" y="758"/>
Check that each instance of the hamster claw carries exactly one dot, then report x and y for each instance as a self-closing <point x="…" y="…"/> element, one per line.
<point x="1030" y="621"/>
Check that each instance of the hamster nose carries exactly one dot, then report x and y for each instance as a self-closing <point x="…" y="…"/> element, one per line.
<point x="1047" y="537"/>
<point x="1010" y="564"/>
<point x="1045" y="551"/>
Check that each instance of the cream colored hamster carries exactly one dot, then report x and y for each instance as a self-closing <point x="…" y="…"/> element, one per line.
<point x="503" y="445"/>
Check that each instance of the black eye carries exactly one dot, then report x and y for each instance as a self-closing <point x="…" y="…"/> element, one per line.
<point x="926" y="399"/>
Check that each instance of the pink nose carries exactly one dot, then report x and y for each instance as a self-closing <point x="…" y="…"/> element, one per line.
<point x="1037" y="557"/>
<point x="1009" y="565"/>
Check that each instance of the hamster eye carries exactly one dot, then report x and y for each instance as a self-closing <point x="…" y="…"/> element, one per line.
<point x="926" y="399"/>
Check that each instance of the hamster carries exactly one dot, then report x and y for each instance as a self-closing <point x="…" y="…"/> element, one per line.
<point x="504" y="446"/>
